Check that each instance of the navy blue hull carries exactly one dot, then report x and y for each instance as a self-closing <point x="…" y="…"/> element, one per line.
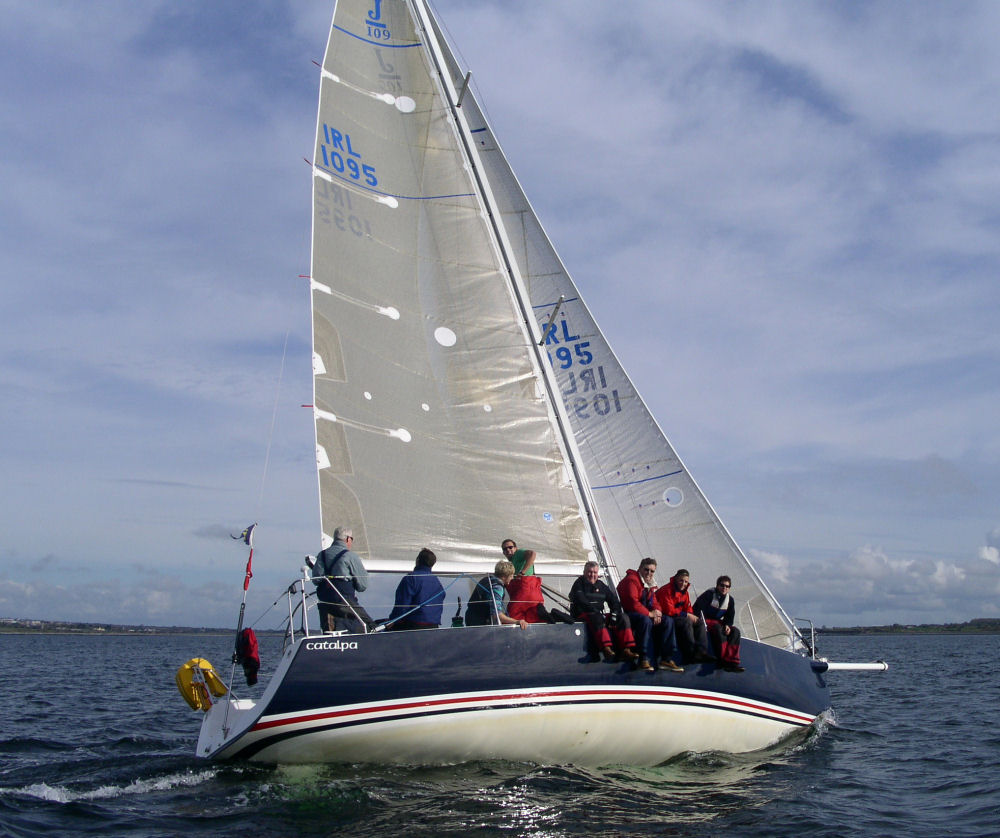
<point x="369" y="681"/>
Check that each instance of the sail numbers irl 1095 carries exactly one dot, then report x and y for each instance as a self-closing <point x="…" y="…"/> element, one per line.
<point x="340" y="157"/>
<point x="585" y="391"/>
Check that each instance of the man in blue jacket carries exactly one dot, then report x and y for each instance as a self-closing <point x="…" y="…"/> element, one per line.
<point x="419" y="597"/>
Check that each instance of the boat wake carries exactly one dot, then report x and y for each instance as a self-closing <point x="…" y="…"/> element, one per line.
<point x="66" y="794"/>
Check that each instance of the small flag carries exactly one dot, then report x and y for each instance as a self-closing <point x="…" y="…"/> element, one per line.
<point x="249" y="576"/>
<point x="246" y="536"/>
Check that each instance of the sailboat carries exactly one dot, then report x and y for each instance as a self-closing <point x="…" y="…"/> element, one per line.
<point x="463" y="393"/>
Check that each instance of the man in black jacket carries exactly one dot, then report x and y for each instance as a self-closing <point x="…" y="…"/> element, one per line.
<point x="587" y="600"/>
<point x="718" y="609"/>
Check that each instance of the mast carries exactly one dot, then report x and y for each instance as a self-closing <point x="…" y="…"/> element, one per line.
<point x="518" y="290"/>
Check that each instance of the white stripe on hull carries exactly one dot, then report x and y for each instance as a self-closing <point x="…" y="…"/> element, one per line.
<point x="585" y="726"/>
<point x="600" y="734"/>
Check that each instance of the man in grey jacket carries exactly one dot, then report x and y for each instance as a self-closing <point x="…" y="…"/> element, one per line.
<point x="339" y="577"/>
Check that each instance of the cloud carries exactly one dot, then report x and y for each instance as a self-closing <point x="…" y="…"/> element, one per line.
<point x="869" y="586"/>
<point x="47" y="564"/>
<point x="151" y="598"/>
<point x="773" y="566"/>
<point x="14" y="595"/>
<point x="990" y="552"/>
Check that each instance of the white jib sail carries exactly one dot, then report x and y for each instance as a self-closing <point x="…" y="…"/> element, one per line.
<point x="647" y="501"/>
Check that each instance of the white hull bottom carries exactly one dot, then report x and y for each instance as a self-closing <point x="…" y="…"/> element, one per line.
<point x="635" y="727"/>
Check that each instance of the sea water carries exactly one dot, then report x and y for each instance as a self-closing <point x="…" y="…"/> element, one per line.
<point x="95" y="740"/>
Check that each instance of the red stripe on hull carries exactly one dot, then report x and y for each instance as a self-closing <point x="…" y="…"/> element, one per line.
<point x="791" y="716"/>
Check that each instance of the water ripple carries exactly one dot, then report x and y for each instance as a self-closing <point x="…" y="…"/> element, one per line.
<point x="901" y="755"/>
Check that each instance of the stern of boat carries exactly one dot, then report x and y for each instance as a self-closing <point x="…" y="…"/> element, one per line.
<point x="223" y="722"/>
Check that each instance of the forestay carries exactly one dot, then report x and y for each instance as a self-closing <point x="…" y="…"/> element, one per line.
<point x="647" y="502"/>
<point x="432" y="426"/>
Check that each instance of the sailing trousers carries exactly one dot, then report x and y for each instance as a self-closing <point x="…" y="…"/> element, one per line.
<point x="599" y="637"/>
<point x="691" y="637"/>
<point x="335" y="616"/>
<point x="727" y="646"/>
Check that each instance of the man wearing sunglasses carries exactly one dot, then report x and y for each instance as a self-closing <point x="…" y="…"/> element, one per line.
<point x="719" y="610"/>
<point x="523" y="560"/>
<point x="654" y="633"/>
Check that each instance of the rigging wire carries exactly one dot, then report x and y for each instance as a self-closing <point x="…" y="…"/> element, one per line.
<point x="274" y="419"/>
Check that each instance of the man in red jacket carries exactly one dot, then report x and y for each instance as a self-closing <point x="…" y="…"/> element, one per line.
<point x="654" y="633"/>
<point x="673" y="600"/>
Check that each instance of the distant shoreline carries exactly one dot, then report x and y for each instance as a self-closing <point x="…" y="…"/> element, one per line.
<point x="19" y="626"/>
<point x="972" y="628"/>
<point x="95" y="633"/>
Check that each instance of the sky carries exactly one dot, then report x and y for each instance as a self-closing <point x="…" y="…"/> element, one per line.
<point x="783" y="215"/>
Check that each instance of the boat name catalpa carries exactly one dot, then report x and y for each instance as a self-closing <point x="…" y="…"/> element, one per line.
<point x="335" y="645"/>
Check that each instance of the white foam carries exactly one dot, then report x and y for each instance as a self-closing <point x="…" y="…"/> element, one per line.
<point x="63" y="794"/>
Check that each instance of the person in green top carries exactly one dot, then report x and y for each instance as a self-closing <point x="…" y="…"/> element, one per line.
<point x="523" y="560"/>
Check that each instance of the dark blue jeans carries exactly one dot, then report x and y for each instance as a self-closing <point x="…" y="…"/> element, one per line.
<point x="654" y="641"/>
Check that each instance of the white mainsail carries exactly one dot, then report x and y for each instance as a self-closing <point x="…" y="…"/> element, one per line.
<point x="433" y="424"/>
